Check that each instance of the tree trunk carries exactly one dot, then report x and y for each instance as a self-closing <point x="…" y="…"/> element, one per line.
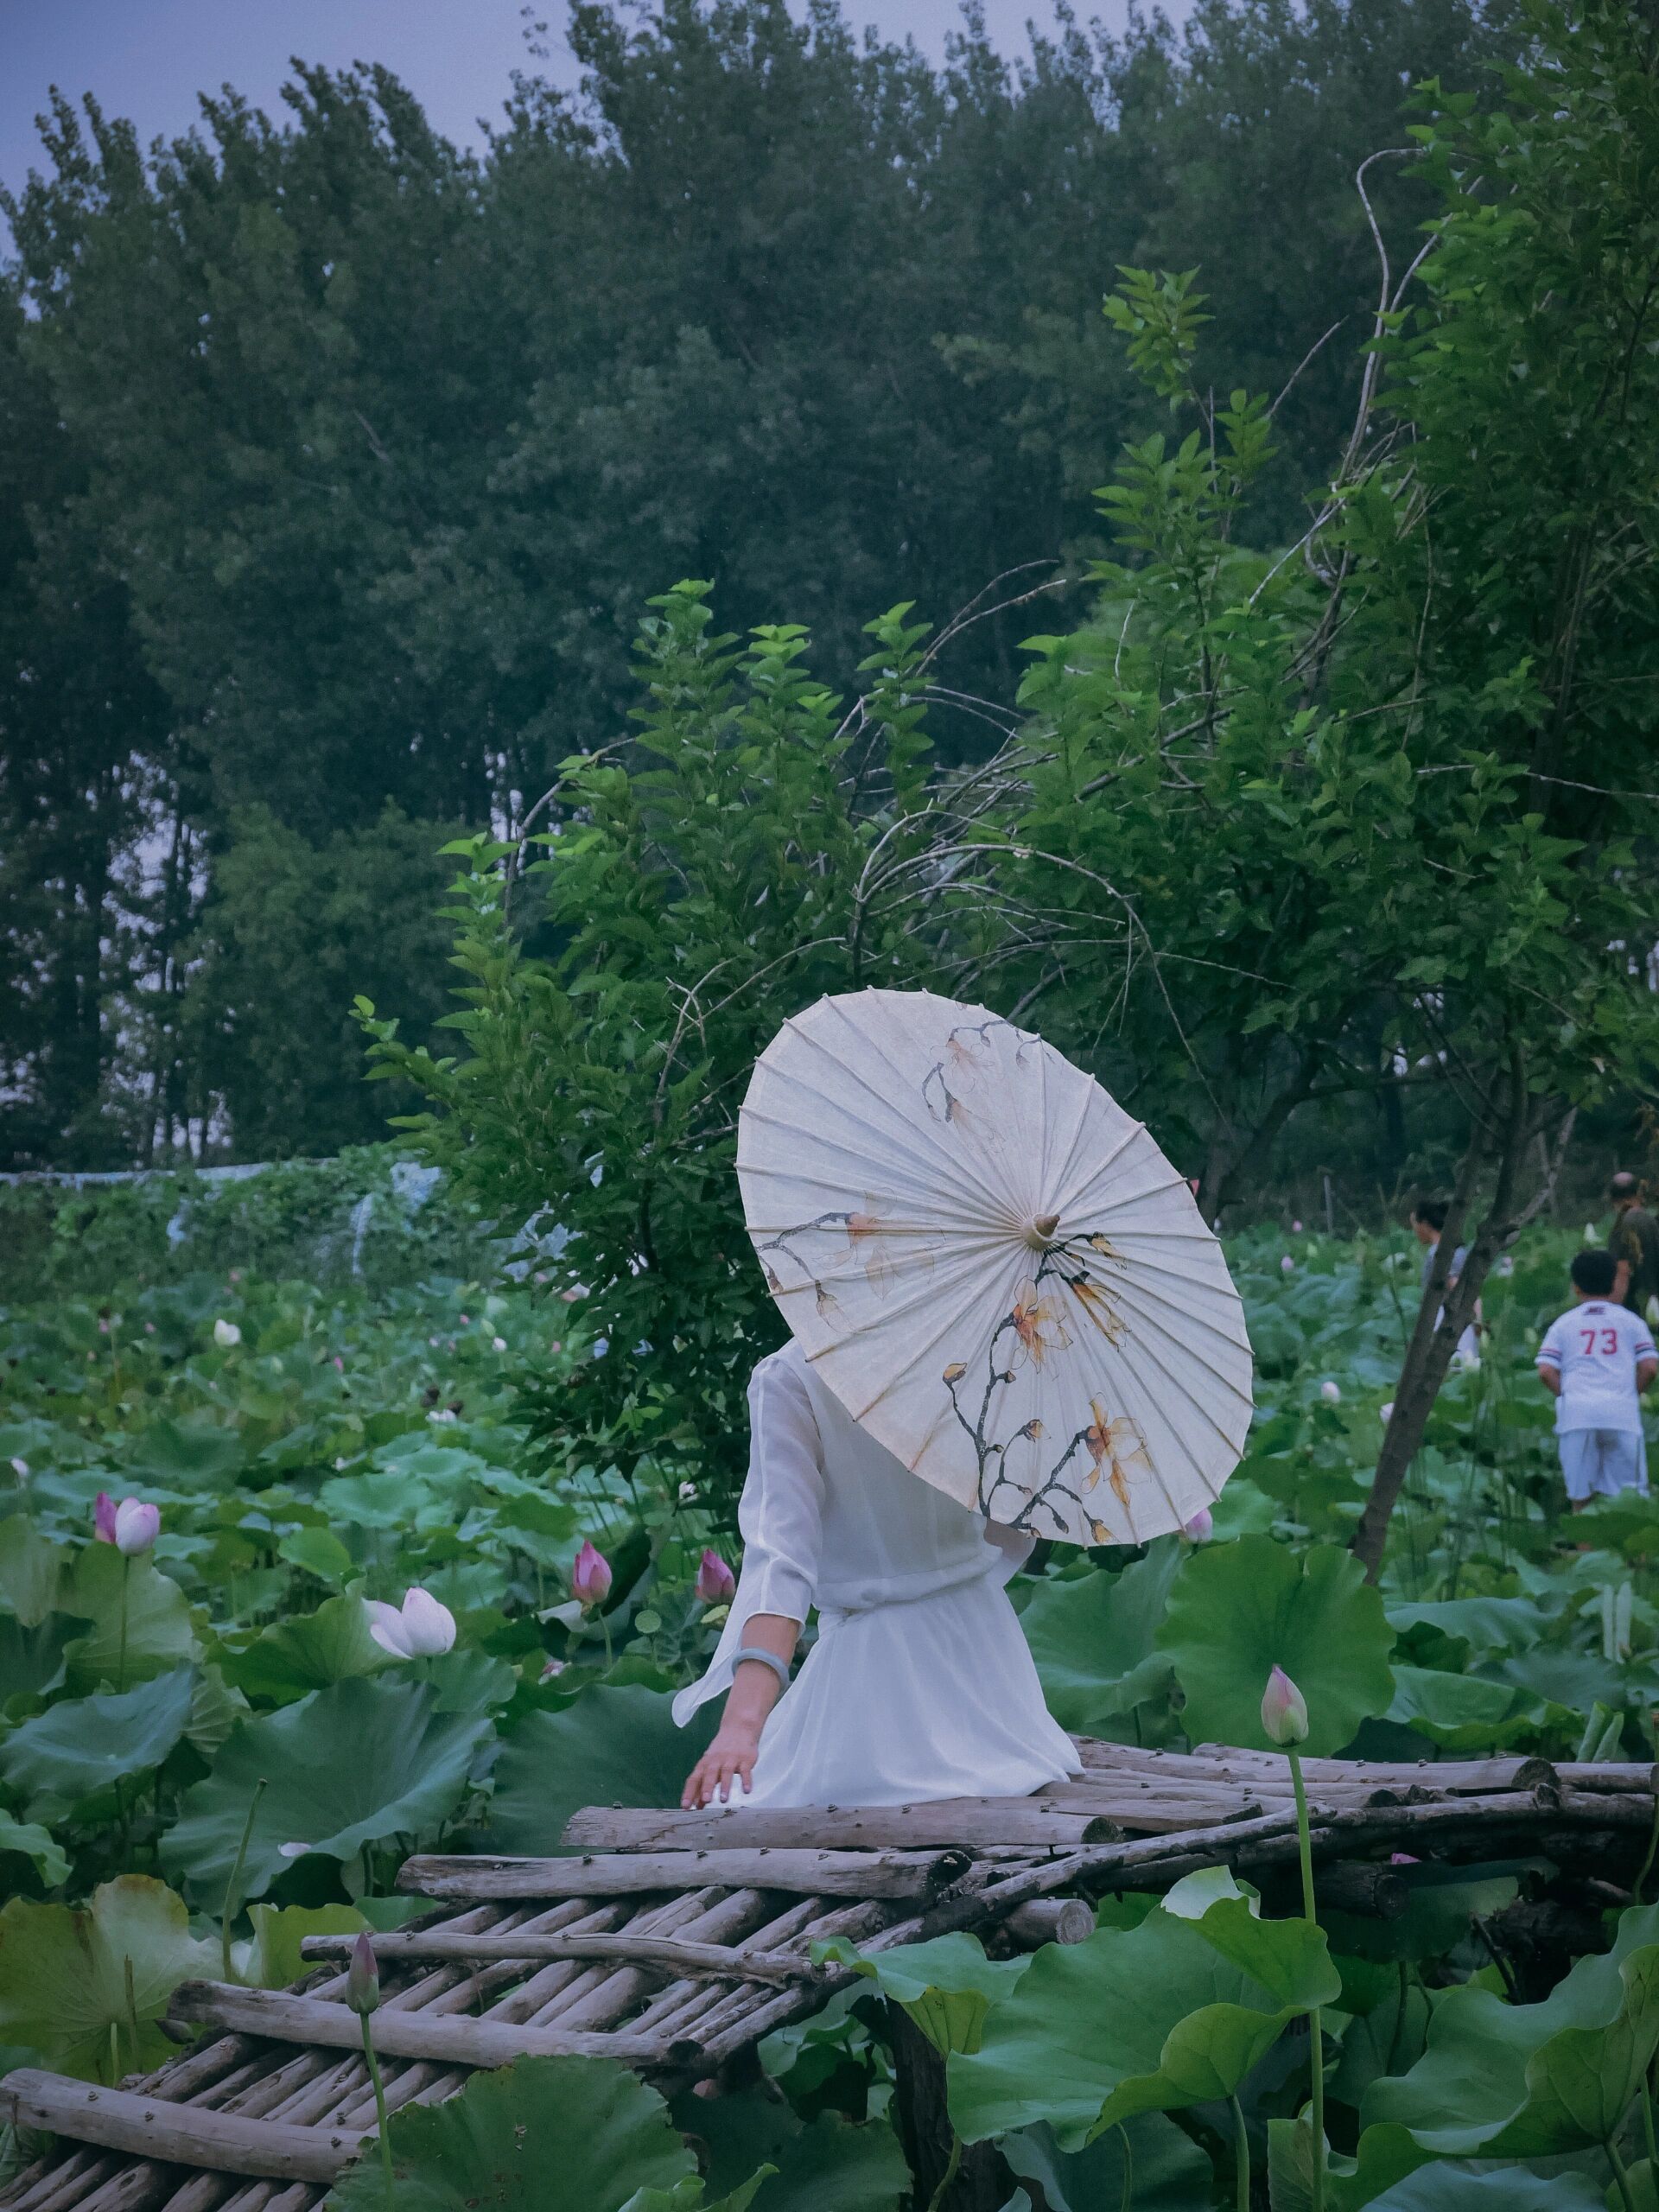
<point x="982" y="2181"/>
<point x="1428" y="1356"/>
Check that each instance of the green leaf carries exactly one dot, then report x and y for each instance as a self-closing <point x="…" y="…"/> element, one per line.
<point x="1450" y="2189"/>
<point x="34" y="1843"/>
<point x="1524" y="2081"/>
<point x="311" y="1653"/>
<point x="1166" y="2169"/>
<point x="159" y="1633"/>
<point x="1463" y="1713"/>
<point x="1169" y="2013"/>
<point x="1094" y="1638"/>
<point x="947" y="1985"/>
<point x="32" y="1570"/>
<point x="510" y="2132"/>
<point x="86" y="1988"/>
<point x="1238" y="1611"/>
<point x="609" y="1746"/>
<point x="320" y="1551"/>
<point x="353" y="1764"/>
<point x="83" y="1744"/>
<point x="186" y="1455"/>
<point x="270" y="1958"/>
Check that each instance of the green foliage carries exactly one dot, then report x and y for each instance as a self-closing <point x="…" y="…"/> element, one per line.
<point x="1240" y="1610"/>
<point x="345" y="1768"/>
<point x="1094" y="1639"/>
<point x="607" y="1745"/>
<point x="1525" y="2081"/>
<point x="1175" y="2011"/>
<point x="946" y="1985"/>
<point x="86" y="1988"/>
<point x="591" y="2122"/>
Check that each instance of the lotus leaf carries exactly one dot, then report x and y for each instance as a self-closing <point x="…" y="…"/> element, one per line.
<point x="34" y="1843"/>
<point x="1525" y="2081"/>
<point x="185" y="1456"/>
<point x="1093" y="1638"/>
<point x="608" y="1747"/>
<point x="1172" y="2012"/>
<point x="320" y="1551"/>
<point x="1510" y="2188"/>
<point x="589" y="2121"/>
<point x="1236" y="1611"/>
<point x="1462" y="1713"/>
<point x="1157" y="2170"/>
<point x="159" y="1633"/>
<point x="347" y="1766"/>
<point x="86" y="1986"/>
<point x="32" y="1570"/>
<point x="83" y="1744"/>
<point x="271" y="1957"/>
<point x="308" y="1653"/>
<point x="946" y="1985"/>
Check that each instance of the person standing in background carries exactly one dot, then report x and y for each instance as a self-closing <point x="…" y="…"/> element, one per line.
<point x="1428" y="1221"/>
<point x="1633" y="1240"/>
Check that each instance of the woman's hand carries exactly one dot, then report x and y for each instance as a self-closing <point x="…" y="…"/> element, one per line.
<point x="729" y="1760"/>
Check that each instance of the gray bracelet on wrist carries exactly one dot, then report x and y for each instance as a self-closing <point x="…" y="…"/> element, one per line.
<point x="780" y="1667"/>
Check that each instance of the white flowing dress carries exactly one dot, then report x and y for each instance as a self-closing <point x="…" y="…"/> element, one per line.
<point x="921" y="1684"/>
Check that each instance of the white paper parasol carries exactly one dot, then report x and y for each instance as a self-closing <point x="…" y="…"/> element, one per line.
<point x="994" y="1267"/>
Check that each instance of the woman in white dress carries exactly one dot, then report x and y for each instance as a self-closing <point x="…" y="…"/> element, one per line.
<point x="920" y="1685"/>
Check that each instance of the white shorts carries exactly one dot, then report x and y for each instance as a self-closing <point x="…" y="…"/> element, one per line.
<point x="1601" y="1462"/>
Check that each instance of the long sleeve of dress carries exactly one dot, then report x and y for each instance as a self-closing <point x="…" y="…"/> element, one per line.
<point x="780" y="1516"/>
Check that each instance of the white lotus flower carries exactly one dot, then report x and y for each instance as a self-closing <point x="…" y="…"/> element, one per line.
<point x="688" y="1492"/>
<point x="1591" y="1234"/>
<point x="1385" y="1412"/>
<point x="1331" y="1394"/>
<point x="225" y="1334"/>
<point x="20" y="1468"/>
<point x="442" y="1414"/>
<point x="421" y="1630"/>
<point x="498" y="1344"/>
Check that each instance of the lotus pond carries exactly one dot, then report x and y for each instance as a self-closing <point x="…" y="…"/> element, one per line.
<point x="205" y="1752"/>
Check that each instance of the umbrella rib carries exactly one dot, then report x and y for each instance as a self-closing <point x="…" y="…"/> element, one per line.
<point x="860" y="1162"/>
<point x="947" y="1169"/>
<point x="1067" y="1199"/>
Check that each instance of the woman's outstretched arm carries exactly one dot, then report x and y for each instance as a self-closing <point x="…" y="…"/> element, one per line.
<point x="755" y="1689"/>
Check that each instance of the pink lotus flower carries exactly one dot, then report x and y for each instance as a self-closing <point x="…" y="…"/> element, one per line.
<point x="1284" y="1710"/>
<point x="590" y="1578"/>
<point x="363" y="1978"/>
<point x="551" y="1670"/>
<point x="1287" y="1264"/>
<point x="422" y="1630"/>
<point x="132" y="1526"/>
<point x="1296" y="1227"/>
<point x="1404" y="1859"/>
<point x="716" y="1584"/>
<point x="339" y="1364"/>
<point x="1200" y="1527"/>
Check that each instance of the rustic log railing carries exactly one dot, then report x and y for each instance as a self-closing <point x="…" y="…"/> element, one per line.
<point x="674" y="1942"/>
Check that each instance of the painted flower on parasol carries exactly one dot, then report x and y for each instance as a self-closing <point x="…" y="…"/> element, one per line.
<point x="994" y="1268"/>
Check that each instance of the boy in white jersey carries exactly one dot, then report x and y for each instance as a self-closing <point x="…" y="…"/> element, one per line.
<point x="1596" y="1359"/>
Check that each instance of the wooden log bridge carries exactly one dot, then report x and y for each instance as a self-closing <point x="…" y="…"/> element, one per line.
<point x="675" y="1942"/>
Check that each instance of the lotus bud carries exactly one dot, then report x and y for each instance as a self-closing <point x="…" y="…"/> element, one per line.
<point x="1200" y="1527"/>
<point x="716" y="1584"/>
<point x="1331" y="1394"/>
<point x="104" y="1518"/>
<point x="422" y="1630"/>
<point x="688" y="1492"/>
<point x="339" y="1364"/>
<point x="1295" y="1228"/>
<point x="136" y="1527"/>
<point x="1284" y="1710"/>
<point x="551" y="1668"/>
<point x="1287" y="1265"/>
<point x="20" y="1468"/>
<point x="590" y="1578"/>
<point x="363" y="1978"/>
<point x="1385" y="1412"/>
<point x="498" y="1344"/>
<point x="226" y="1334"/>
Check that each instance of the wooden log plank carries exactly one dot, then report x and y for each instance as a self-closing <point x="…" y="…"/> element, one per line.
<point x="706" y="1916"/>
<point x="1049" y="1920"/>
<point x="467" y="2041"/>
<point x="809" y="1873"/>
<point x="700" y="1961"/>
<point x="962" y="1822"/>
<point x="685" y="2003"/>
<point x="190" y="2135"/>
<point x="1463" y="1777"/>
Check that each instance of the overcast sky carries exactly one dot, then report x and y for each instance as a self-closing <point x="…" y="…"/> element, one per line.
<point x="148" y="58"/>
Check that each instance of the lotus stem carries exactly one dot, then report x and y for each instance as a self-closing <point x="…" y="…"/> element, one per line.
<point x="952" y="2166"/>
<point x="1125" y="2202"/>
<point x="121" y="1662"/>
<point x="374" y="2065"/>
<point x="1646" y="1867"/>
<point x="232" y="1899"/>
<point x="1621" y="2176"/>
<point x="1315" y="2028"/>
<point x="1241" y="2154"/>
